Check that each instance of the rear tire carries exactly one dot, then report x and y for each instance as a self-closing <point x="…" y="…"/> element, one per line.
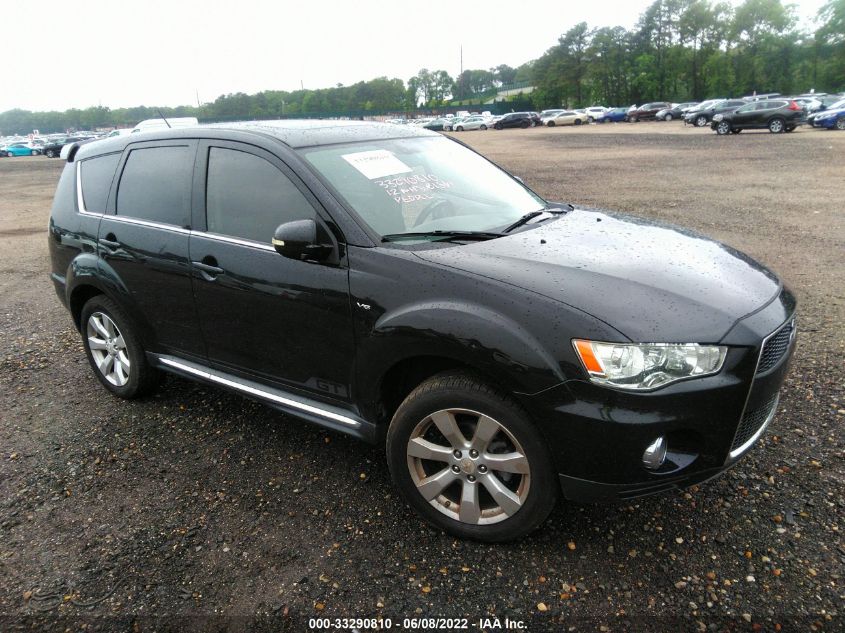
<point x="482" y="127"/>
<point x="51" y="153"/>
<point x="524" y="124"/>
<point x="550" y="124"/>
<point x="497" y="126"/>
<point x="34" y="152"/>
<point x="776" y="126"/>
<point x="577" y="121"/>
<point x="114" y="350"/>
<point x="459" y="128"/>
<point x="700" y="121"/>
<point x="442" y="445"/>
<point x="668" y="117"/>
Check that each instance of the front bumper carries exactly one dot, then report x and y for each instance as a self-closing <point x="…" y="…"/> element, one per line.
<point x="598" y="435"/>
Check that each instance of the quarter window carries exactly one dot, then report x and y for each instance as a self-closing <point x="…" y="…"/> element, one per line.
<point x="96" y="175"/>
<point x="248" y="197"/>
<point x="156" y="185"/>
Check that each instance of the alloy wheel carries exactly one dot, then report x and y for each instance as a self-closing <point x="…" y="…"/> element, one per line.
<point x="468" y="466"/>
<point x="840" y="124"/>
<point x="108" y="348"/>
<point x="776" y="126"/>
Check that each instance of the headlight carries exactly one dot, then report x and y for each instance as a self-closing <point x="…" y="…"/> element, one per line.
<point x="644" y="366"/>
<point x="718" y="117"/>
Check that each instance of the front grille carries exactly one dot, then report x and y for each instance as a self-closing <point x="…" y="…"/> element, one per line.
<point x="752" y="421"/>
<point x="775" y="347"/>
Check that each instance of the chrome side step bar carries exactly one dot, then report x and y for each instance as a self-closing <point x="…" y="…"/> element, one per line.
<point x="324" y="414"/>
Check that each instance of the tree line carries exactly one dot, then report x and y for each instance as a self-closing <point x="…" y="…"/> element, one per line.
<point x="679" y="50"/>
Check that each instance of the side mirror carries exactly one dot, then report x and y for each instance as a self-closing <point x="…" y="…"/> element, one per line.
<point x="298" y="240"/>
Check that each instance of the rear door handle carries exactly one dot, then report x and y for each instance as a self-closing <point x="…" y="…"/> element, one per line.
<point x="208" y="271"/>
<point x="110" y="241"/>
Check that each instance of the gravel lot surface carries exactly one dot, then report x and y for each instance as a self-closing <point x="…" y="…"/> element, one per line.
<point x="199" y="510"/>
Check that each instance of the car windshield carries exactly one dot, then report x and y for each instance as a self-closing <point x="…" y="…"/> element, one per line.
<point x="422" y="184"/>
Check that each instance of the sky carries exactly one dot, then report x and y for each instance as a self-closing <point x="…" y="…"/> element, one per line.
<point x="118" y="54"/>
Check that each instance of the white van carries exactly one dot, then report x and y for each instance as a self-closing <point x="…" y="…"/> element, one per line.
<point x="157" y="124"/>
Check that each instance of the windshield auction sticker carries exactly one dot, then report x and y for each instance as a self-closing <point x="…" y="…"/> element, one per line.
<point x="377" y="163"/>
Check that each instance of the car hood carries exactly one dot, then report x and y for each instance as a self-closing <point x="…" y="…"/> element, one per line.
<point x="650" y="281"/>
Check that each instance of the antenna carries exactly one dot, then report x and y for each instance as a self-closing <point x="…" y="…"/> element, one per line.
<point x="162" y="117"/>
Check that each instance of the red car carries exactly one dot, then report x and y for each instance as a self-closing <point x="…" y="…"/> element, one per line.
<point x="648" y="111"/>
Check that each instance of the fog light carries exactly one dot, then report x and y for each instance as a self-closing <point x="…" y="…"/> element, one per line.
<point x="655" y="454"/>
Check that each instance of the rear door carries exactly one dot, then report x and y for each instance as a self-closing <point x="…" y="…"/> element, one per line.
<point x="143" y="243"/>
<point x="274" y="319"/>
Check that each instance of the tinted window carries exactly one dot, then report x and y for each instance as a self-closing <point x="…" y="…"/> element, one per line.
<point x="248" y="197"/>
<point x="96" y="175"/>
<point x="156" y="185"/>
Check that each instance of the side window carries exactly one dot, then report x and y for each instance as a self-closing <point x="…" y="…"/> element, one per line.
<point x="248" y="197"/>
<point x="156" y="185"/>
<point x="96" y="175"/>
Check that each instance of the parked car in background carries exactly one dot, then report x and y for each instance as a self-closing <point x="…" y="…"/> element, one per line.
<point x="119" y="132"/>
<point x="450" y="123"/>
<point x="52" y="149"/>
<point x="436" y="124"/>
<point x="160" y="124"/>
<point x="21" y="148"/>
<point x="833" y="118"/>
<point x="810" y="104"/>
<point x="475" y="122"/>
<point x="613" y="115"/>
<point x="702" y="115"/>
<point x="776" y="115"/>
<point x="568" y="117"/>
<point x="547" y="113"/>
<point x="676" y="111"/>
<point x="648" y="111"/>
<point x="515" y="119"/>
<point x="594" y="113"/>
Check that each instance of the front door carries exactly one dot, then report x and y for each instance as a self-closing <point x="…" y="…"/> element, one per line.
<point x="272" y="318"/>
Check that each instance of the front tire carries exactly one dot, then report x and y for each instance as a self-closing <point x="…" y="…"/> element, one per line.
<point x="668" y="117"/>
<point x="459" y="128"/>
<point x="701" y="121"/>
<point x="483" y="127"/>
<point x="840" y="124"/>
<point x="550" y="124"/>
<point x="469" y="461"/>
<point x="114" y="350"/>
<point x="723" y="127"/>
<point x="497" y="126"/>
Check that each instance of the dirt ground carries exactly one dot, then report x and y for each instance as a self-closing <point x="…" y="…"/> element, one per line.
<point x="199" y="510"/>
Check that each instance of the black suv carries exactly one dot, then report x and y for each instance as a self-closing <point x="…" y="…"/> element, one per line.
<point x="776" y="115"/>
<point x="390" y="283"/>
<point x="517" y="119"/>
<point x="702" y="116"/>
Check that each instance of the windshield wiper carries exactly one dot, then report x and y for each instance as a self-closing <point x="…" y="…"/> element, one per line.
<point x="525" y="219"/>
<point x="446" y="235"/>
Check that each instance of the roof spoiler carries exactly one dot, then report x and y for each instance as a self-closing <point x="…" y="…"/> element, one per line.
<point x="69" y="151"/>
